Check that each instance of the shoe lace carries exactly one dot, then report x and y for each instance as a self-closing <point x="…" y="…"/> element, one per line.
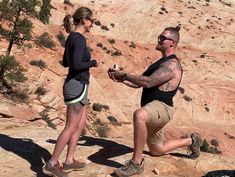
<point x="127" y="164"/>
<point x="60" y="168"/>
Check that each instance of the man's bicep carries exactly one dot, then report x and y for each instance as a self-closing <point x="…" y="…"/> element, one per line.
<point x="163" y="74"/>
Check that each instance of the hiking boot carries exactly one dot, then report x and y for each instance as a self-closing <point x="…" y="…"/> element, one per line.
<point x="74" y="166"/>
<point x="131" y="168"/>
<point x="195" y="146"/>
<point x="55" y="170"/>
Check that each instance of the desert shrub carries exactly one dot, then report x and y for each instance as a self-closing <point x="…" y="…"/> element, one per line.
<point x="20" y="94"/>
<point x="112" y="119"/>
<point x="132" y="45"/>
<point x="44" y="40"/>
<point x="103" y="27"/>
<point x="101" y="128"/>
<point x="187" y="98"/>
<point x="41" y="64"/>
<point x="205" y="146"/>
<point x="207" y="109"/>
<point x="117" y="53"/>
<point x="210" y="149"/>
<point x="40" y="91"/>
<point x="99" y="44"/>
<point x="112" y="24"/>
<point x="214" y="142"/>
<point x="106" y="107"/>
<point x="97" y="107"/>
<point x="44" y="116"/>
<point x="111" y="41"/>
<point x="181" y="89"/>
<point x="108" y="51"/>
<point x="61" y="39"/>
<point x="104" y="48"/>
<point x="97" y="23"/>
<point x="17" y="76"/>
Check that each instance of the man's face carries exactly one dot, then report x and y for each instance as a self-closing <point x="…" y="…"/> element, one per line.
<point x="164" y="41"/>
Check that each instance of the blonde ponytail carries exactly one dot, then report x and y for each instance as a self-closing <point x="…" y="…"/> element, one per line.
<point x="68" y="24"/>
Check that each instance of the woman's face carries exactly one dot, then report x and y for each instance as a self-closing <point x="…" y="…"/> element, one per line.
<point x="88" y="23"/>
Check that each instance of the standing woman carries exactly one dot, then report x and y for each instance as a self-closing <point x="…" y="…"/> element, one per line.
<point x="78" y="59"/>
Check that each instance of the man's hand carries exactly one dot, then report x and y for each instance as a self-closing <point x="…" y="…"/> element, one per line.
<point x="116" y="74"/>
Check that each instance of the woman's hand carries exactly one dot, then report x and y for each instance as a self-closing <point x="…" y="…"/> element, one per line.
<point x="95" y="63"/>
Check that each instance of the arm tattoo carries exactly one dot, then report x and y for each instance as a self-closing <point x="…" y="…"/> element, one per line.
<point x="159" y="77"/>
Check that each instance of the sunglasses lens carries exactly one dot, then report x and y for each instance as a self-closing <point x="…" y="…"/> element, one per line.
<point x="162" y="38"/>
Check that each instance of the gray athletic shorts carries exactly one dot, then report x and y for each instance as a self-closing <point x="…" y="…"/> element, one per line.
<point x="74" y="91"/>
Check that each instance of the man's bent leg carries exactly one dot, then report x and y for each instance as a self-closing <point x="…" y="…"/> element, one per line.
<point x="140" y="134"/>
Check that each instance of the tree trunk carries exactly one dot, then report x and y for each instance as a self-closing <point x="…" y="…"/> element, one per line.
<point x="9" y="47"/>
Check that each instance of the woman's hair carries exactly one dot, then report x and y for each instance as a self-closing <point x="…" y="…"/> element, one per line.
<point x="80" y="13"/>
<point x="174" y="32"/>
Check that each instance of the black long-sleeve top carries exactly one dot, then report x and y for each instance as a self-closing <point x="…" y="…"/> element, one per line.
<point x="77" y="57"/>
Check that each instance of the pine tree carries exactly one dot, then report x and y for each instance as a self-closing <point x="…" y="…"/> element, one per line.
<point x="15" y="25"/>
<point x="45" y="12"/>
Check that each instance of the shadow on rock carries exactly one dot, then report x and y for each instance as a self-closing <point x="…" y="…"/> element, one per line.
<point x="109" y="150"/>
<point x="28" y="150"/>
<point x="221" y="173"/>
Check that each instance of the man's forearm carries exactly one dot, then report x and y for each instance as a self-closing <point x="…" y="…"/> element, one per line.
<point x="141" y="81"/>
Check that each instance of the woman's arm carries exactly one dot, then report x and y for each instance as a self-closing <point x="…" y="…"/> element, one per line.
<point x="78" y="50"/>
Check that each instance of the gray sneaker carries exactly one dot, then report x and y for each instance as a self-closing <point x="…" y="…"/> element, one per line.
<point x="74" y="166"/>
<point x="131" y="168"/>
<point x="195" y="146"/>
<point x="55" y="170"/>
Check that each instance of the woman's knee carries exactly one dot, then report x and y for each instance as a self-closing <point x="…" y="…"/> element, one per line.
<point x="140" y="115"/>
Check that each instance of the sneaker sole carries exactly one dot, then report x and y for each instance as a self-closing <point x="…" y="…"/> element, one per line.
<point x="122" y="175"/>
<point x="47" y="172"/>
<point x="78" y="169"/>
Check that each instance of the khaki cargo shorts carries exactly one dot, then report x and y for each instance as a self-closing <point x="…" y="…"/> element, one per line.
<point x="159" y="114"/>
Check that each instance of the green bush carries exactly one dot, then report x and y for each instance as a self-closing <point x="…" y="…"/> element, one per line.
<point x="61" y="39"/>
<point x="97" y="107"/>
<point x="41" y="64"/>
<point x="45" y="40"/>
<point x="210" y="149"/>
<point x="40" y="91"/>
<point x="205" y="146"/>
<point x="17" y="76"/>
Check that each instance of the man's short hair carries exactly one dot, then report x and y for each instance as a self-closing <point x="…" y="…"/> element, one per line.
<point x="175" y="35"/>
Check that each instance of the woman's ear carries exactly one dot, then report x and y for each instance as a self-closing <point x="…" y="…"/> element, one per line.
<point x="83" y="21"/>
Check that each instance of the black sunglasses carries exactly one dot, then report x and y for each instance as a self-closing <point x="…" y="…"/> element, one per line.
<point x="163" y="38"/>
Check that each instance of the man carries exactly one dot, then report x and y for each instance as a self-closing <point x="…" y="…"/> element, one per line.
<point x="160" y="83"/>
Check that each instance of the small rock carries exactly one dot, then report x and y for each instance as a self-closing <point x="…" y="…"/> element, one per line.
<point x="156" y="171"/>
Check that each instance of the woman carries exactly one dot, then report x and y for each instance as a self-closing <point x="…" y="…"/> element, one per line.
<point x="77" y="57"/>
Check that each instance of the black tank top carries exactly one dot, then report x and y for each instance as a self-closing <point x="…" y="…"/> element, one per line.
<point x="153" y="93"/>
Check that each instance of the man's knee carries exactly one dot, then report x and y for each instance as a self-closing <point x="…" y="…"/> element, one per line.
<point x="140" y="115"/>
<point x="156" y="150"/>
